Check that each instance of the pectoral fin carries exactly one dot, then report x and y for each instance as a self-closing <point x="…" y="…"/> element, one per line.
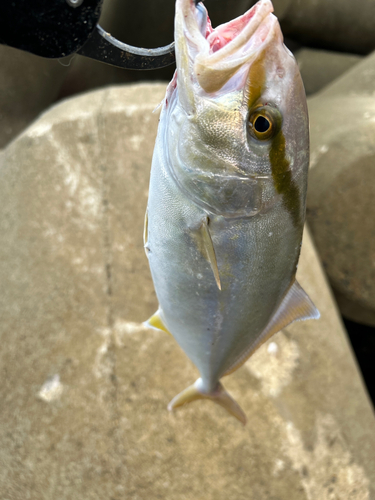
<point x="218" y="396"/>
<point x="210" y="250"/>
<point x="156" y="322"/>
<point x="145" y="233"/>
<point x="296" y="306"/>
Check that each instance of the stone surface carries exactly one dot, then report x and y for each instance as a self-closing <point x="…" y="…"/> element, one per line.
<point x="320" y="67"/>
<point x="345" y="25"/>
<point x="28" y="84"/>
<point x="342" y="187"/>
<point x="85" y="385"/>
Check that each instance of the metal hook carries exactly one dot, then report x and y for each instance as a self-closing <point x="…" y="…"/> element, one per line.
<point x="105" y="48"/>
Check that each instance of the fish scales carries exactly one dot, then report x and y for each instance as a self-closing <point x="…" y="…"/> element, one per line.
<point x="227" y="195"/>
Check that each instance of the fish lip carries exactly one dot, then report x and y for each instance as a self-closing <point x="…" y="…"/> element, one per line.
<point x="246" y="26"/>
<point x="217" y="54"/>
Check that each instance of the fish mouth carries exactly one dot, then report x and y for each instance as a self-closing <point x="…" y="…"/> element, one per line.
<point x="216" y="55"/>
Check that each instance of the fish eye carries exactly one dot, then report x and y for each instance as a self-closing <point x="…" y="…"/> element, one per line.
<point x="264" y="122"/>
<point x="261" y="124"/>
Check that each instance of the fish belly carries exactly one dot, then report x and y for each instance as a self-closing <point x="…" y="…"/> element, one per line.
<point x="256" y="259"/>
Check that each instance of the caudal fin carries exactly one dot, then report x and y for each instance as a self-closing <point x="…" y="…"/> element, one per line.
<point x="219" y="396"/>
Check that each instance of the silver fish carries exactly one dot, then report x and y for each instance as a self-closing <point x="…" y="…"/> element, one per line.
<point x="226" y="206"/>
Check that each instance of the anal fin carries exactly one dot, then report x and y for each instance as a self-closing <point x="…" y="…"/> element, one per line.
<point x="156" y="322"/>
<point x="295" y="306"/>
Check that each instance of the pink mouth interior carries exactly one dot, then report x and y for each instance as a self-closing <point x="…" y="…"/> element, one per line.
<point x="223" y="34"/>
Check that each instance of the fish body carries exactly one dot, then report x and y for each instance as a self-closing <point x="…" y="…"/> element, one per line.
<point x="227" y="194"/>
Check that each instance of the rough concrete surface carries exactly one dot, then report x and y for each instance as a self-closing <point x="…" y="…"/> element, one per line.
<point x="341" y="191"/>
<point x="342" y="25"/>
<point x="320" y="67"/>
<point x="28" y="84"/>
<point x="85" y="385"/>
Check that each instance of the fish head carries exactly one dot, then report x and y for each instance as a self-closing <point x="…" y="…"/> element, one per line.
<point x="246" y="122"/>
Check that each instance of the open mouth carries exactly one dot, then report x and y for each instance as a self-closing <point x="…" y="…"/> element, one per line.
<point x="217" y="54"/>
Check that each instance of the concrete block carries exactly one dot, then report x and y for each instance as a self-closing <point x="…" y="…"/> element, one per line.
<point x="85" y="385"/>
<point x="340" y="208"/>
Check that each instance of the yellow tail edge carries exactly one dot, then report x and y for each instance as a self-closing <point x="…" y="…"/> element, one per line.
<point x="219" y="396"/>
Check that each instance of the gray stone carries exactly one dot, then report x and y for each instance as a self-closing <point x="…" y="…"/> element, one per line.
<point x="85" y="385"/>
<point x="320" y="67"/>
<point x="28" y="84"/>
<point x="329" y="24"/>
<point x="341" y="191"/>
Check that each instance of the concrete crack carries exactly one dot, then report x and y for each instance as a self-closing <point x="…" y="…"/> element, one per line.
<point x="111" y="352"/>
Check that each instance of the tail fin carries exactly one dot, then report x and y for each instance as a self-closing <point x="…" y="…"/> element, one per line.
<point x="219" y="396"/>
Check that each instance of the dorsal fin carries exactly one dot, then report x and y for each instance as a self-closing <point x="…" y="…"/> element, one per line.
<point x="295" y="306"/>
<point x="156" y="322"/>
<point x="210" y="250"/>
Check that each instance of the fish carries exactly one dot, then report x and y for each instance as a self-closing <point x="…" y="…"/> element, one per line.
<point x="227" y="194"/>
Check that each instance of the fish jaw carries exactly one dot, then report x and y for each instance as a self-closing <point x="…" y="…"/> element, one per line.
<point x="207" y="59"/>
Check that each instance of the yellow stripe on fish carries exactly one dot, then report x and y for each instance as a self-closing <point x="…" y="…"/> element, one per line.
<point x="283" y="179"/>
